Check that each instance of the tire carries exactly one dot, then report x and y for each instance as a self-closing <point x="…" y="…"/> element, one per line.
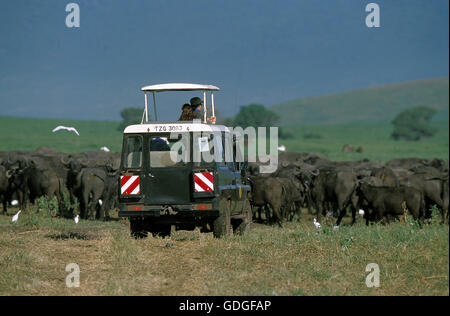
<point x="245" y="224"/>
<point x="137" y="228"/>
<point x="222" y="225"/>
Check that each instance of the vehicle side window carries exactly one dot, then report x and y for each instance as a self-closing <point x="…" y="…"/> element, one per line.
<point x="238" y="155"/>
<point x="219" y="153"/>
<point x="228" y="146"/>
<point x="133" y="152"/>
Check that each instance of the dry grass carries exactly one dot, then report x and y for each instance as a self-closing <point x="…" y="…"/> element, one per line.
<point x="295" y="260"/>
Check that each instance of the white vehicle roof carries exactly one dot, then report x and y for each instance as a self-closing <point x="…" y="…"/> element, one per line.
<point x="179" y="87"/>
<point x="175" y="127"/>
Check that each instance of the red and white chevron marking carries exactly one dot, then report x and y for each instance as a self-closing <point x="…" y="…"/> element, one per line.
<point x="203" y="182"/>
<point x="129" y="185"/>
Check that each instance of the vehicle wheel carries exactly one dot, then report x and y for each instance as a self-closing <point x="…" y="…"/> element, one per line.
<point x="160" y="230"/>
<point x="137" y="228"/>
<point x="244" y="226"/>
<point x="222" y="225"/>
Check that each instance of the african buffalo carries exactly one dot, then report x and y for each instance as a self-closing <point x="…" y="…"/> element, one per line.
<point x="432" y="188"/>
<point x="391" y="201"/>
<point x="268" y="192"/>
<point x="334" y="188"/>
<point x="4" y="187"/>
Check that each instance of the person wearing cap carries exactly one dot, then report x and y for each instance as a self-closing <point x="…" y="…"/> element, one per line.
<point x="196" y="104"/>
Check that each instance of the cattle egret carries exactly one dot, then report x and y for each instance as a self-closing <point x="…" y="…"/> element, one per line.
<point x="76" y="219"/>
<point x="105" y="149"/>
<point x="16" y="217"/>
<point x="100" y="202"/>
<point x="282" y="148"/>
<point x="335" y="227"/>
<point x="361" y="212"/>
<point x="70" y="129"/>
<point x="316" y="223"/>
<point x="14" y="202"/>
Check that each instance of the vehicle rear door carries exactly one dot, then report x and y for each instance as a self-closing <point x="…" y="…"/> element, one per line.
<point x="168" y="173"/>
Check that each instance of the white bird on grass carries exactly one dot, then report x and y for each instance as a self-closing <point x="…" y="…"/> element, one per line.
<point x="316" y="224"/>
<point x="76" y="219"/>
<point x="16" y="217"/>
<point x="105" y="149"/>
<point x="70" y="129"/>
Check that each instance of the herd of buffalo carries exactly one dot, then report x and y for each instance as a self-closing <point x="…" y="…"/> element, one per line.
<point x="88" y="176"/>
<point x="385" y="191"/>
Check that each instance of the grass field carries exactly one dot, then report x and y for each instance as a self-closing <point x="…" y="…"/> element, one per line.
<point x="30" y="134"/>
<point x="374" y="139"/>
<point x="294" y="260"/>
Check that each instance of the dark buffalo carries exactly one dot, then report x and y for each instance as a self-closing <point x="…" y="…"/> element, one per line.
<point x="432" y="188"/>
<point x="268" y="192"/>
<point x="96" y="184"/>
<point x="333" y="190"/>
<point x="5" y="175"/>
<point x="390" y="201"/>
<point x="34" y="182"/>
<point x="296" y="190"/>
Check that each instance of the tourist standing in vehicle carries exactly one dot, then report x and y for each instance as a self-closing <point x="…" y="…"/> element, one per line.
<point x="186" y="113"/>
<point x="196" y="104"/>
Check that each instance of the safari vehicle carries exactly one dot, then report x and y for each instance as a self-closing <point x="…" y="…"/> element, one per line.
<point x="162" y="185"/>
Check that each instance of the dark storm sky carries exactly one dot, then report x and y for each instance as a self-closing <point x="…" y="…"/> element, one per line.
<point x="256" y="51"/>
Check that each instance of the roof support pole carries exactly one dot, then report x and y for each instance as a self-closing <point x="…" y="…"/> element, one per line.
<point x="146" y="108"/>
<point x="204" y="106"/>
<point x="212" y="103"/>
<point x="154" y="106"/>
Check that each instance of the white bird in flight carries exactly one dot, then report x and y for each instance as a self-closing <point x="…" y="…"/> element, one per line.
<point x="100" y="202"/>
<point x="70" y="129"/>
<point x="105" y="149"/>
<point x="76" y="219"/>
<point x="16" y="217"/>
<point x="282" y="148"/>
<point x="316" y="223"/>
<point x="361" y="212"/>
<point x="14" y="202"/>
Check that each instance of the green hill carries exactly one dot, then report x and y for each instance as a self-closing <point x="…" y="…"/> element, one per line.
<point x="380" y="104"/>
